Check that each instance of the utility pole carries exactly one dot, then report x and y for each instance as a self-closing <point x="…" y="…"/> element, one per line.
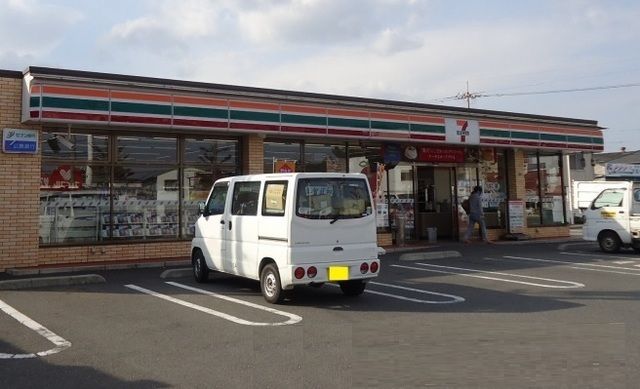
<point x="468" y="96"/>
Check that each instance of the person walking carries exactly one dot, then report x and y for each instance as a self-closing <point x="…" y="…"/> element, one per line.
<point x="476" y="215"/>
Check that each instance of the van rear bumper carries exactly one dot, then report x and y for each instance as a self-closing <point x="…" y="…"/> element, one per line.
<point x="324" y="274"/>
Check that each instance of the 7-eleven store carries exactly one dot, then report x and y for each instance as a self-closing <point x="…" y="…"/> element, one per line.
<point x="120" y="163"/>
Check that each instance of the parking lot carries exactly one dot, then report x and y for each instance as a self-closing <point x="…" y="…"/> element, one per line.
<point x="452" y="315"/>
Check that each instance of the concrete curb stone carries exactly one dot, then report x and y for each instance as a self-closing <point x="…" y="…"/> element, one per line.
<point x="43" y="282"/>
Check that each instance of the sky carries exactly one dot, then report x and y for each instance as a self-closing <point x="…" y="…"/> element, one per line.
<point x="423" y="51"/>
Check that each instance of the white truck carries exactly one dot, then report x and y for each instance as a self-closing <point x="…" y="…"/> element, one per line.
<point x="287" y="230"/>
<point x="613" y="218"/>
<point x="583" y="193"/>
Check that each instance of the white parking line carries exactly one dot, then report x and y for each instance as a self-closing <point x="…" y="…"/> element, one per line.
<point x="568" y="284"/>
<point x="581" y="265"/>
<point x="598" y="256"/>
<point x="59" y="342"/>
<point x="292" y="318"/>
<point x="454" y="298"/>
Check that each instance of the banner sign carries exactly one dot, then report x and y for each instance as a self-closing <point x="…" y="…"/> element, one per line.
<point x="16" y="140"/>
<point x="622" y="170"/>
<point x="440" y="154"/>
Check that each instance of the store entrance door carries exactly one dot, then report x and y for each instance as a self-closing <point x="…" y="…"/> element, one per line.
<point x="435" y="203"/>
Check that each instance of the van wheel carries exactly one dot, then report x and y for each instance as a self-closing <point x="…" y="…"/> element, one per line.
<point x="353" y="287"/>
<point x="609" y="242"/>
<point x="270" y="284"/>
<point x="200" y="268"/>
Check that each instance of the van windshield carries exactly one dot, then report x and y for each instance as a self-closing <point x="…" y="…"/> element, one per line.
<point x="333" y="198"/>
<point x="608" y="198"/>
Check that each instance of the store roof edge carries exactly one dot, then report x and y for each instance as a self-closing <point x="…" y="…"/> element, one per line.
<point x="163" y="83"/>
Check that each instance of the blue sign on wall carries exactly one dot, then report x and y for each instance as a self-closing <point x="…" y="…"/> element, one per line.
<point x="16" y="140"/>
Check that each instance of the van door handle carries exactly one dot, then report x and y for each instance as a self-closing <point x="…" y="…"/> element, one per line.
<point x="229" y="225"/>
<point x="338" y="248"/>
<point x="620" y="211"/>
<point x="221" y="221"/>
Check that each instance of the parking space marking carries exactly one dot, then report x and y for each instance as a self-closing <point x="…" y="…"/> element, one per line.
<point x="292" y="318"/>
<point x="582" y="265"/>
<point x="598" y="256"/>
<point x="454" y="298"/>
<point x="568" y="284"/>
<point x="58" y="341"/>
<point x="623" y="262"/>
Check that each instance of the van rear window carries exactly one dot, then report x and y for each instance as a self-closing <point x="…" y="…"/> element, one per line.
<point x="333" y="198"/>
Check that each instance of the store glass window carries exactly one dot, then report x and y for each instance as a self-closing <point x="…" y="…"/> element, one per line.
<point x="532" y="190"/>
<point x="399" y="200"/>
<point x="143" y="189"/>
<point x="205" y="161"/>
<point x="73" y="199"/>
<point x="282" y="157"/>
<point x="325" y="158"/>
<point x="74" y="147"/>
<point x="133" y="149"/>
<point x="143" y="205"/>
<point x="551" y="189"/>
<point x="493" y="179"/>
<point x="367" y="159"/>
<point x="210" y="152"/>
<point x="544" y="189"/>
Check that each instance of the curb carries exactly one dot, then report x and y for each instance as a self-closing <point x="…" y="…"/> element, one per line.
<point x="43" y="282"/>
<point x="76" y="269"/>
<point x="176" y="273"/>
<point x="430" y="255"/>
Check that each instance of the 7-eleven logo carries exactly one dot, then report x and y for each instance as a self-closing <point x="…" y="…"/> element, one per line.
<point x="462" y="131"/>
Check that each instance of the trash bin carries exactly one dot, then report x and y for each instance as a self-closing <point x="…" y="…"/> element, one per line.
<point x="432" y="234"/>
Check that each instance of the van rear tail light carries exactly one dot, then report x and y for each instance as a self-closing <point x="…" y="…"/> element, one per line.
<point x="374" y="267"/>
<point x="299" y="272"/>
<point x="364" y="268"/>
<point x="312" y="271"/>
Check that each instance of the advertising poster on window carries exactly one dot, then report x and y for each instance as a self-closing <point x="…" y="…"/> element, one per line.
<point x="284" y="166"/>
<point x="516" y="216"/>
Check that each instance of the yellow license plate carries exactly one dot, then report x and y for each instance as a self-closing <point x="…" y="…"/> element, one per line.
<point x="338" y="273"/>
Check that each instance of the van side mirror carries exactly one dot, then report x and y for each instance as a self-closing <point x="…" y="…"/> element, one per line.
<point x="202" y="208"/>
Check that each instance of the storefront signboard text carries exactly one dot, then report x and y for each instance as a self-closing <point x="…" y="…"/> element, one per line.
<point x="15" y="140"/>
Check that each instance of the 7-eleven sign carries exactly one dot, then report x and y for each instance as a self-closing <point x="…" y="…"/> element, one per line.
<point x="462" y="131"/>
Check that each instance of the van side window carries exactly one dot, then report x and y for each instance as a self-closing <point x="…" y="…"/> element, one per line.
<point x="274" y="198"/>
<point x="215" y="205"/>
<point x="245" y="198"/>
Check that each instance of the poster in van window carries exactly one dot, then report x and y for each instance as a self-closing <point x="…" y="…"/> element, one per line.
<point x="274" y="198"/>
<point x="65" y="177"/>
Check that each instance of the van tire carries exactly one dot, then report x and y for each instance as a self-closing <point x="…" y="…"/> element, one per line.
<point x="200" y="268"/>
<point x="609" y="242"/>
<point x="353" y="287"/>
<point x="270" y="285"/>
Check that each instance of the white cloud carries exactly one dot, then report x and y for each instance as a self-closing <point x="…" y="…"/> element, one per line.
<point x="31" y="29"/>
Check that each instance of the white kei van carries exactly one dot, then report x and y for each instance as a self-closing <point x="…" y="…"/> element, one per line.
<point x="287" y="230"/>
<point x="613" y="219"/>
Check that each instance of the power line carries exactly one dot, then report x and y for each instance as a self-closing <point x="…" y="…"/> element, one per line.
<point x="474" y="95"/>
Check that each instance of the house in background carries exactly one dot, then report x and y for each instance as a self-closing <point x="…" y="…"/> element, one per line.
<point x="621" y="165"/>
